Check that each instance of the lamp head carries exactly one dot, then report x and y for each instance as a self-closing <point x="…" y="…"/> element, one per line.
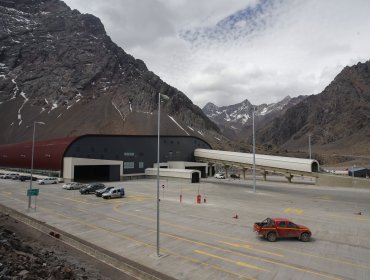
<point x="164" y="97"/>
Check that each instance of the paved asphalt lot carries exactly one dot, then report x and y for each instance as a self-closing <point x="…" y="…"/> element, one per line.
<point x="204" y="241"/>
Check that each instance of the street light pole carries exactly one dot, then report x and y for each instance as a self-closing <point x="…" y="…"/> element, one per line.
<point x="33" y="150"/>
<point x="309" y="144"/>
<point x="254" y="155"/>
<point x="158" y="145"/>
<point x="165" y="97"/>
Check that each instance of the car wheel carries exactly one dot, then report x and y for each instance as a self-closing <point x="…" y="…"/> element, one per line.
<point x="42" y="183"/>
<point x="305" y="237"/>
<point x="271" y="236"/>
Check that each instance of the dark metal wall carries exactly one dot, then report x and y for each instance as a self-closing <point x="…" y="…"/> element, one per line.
<point x="96" y="173"/>
<point x="137" y="152"/>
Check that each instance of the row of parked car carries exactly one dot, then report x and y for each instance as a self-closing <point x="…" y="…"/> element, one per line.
<point x="16" y="176"/>
<point x="42" y="181"/>
<point x="99" y="189"/>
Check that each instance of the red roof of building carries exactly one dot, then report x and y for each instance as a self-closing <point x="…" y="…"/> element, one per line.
<point x="48" y="154"/>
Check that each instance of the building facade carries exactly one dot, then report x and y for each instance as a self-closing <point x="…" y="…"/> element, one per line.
<point x="100" y="157"/>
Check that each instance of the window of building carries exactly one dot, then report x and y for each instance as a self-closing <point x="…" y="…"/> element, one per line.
<point x="129" y="165"/>
<point x="129" y="154"/>
<point x="141" y="164"/>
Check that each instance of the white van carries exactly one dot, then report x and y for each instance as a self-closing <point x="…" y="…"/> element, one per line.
<point x="113" y="193"/>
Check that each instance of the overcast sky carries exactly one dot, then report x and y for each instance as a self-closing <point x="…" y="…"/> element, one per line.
<point x="226" y="51"/>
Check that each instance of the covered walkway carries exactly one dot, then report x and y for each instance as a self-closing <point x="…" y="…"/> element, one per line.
<point x="264" y="163"/>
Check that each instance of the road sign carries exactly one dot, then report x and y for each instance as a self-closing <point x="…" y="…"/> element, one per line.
<point x="33" y="192"/>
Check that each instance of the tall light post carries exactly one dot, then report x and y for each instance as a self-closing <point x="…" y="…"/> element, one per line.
<point x="309" y="144"/>
<point x="33" y="150"/>
<point x="254" y="154"/>
<point x="158" y="150"/>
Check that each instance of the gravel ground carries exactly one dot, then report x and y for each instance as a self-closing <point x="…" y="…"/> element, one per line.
<point x="26" y="253"/>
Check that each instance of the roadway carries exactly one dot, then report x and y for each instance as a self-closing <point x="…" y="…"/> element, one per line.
<point x="204" y="241"/>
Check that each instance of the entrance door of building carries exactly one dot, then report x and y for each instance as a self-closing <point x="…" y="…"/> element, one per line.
<point x="195" y="177"/>
<point x="96" y="173"/>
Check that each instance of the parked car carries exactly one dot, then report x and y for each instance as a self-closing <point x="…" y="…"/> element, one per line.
<point x="72" y="186"/>
<point x="27" y="178"/>
<point x="9" y="175"/>
<point x="235" y="176"/>
<point x="91" y="188"/>
<point x="220" y="175"/>
<point x="49" y="180"/>
<point x="99" y="193"/>
<point x="15" y="177"/>
<point x="273" y="228"/>
<point x="114" y="193"/>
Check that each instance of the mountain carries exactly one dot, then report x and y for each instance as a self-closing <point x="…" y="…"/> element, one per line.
<point x="235" y="120"/>
<point x="338" y="118"/>
<point x="58" y="66"/>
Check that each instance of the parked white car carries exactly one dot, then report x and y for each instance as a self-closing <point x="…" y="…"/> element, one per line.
<point x="220" y="176"/>
<point x="9" y="175"/>
<point x="50" y="180"/>
<point x="72" y="186"/>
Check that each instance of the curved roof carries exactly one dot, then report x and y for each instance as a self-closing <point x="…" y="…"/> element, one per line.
<point x="48" y="154"/>
<point x="288" y="163"/>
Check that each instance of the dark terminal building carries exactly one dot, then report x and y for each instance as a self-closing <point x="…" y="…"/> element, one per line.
<point x="100" y="157"/>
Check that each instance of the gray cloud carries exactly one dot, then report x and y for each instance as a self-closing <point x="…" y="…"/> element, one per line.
<point x="298" y="48"/>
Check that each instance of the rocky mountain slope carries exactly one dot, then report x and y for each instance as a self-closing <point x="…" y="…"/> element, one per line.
<point x="235" y="120"/>
<point x="59" y="67"/>
<point x="338" y="119"/>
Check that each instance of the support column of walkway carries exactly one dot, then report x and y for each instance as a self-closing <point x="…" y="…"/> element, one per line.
<point x="226" y="171"/>
<point x="289" y="177"/>
<point x="264" y="174"/>
<point x="244" y="170"/>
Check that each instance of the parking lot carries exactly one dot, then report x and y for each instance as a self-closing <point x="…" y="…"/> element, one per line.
<point x="207" y="241"/>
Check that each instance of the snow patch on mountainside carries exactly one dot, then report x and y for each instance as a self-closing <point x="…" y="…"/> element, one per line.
<point x="178" y="124"/>
<point x="119" y="112"/>
<point x="20" y="109"/>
